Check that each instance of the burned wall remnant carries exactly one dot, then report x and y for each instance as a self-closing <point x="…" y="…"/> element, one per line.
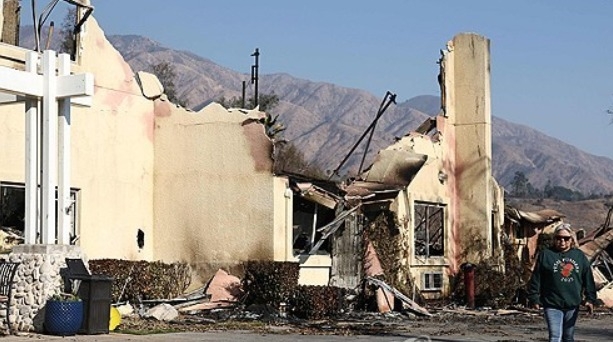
<point x="9" y="23"/>
<point x="213" y="199"/>
<point x="439" y="177"/>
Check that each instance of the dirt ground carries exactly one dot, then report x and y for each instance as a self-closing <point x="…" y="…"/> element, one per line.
<point x="444" y="325"/>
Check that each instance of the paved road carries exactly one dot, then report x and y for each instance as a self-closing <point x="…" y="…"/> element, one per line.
<point x="225" y="337"/>
<point x="584" y="336"/>
<point x="215" y="336"/>
<point x="482" y="329"/>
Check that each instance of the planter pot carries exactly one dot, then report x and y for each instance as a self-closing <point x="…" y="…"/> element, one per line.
<point x="63" y="318"/>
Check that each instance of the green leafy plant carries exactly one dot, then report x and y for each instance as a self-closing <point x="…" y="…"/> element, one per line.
<point x="65" y="297"/>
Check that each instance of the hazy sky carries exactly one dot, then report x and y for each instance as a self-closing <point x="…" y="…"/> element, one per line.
<point x="551" y="61"/>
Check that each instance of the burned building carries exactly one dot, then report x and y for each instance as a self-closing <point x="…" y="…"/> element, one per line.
<point x="432" y="190"/>
<point x="151" y="180"/>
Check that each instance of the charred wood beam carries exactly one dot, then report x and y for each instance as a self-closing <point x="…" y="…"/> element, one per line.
<point x="606" y="260"/>
<point x="412" y="305"/>
<point x="390" y="98"/>
<point x="176" y="301"/>
<point x="426" y="126"/>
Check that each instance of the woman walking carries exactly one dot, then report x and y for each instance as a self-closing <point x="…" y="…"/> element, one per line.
<point x="561" y="277"/>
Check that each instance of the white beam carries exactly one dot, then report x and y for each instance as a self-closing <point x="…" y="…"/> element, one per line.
<point x="80" y="88"/>
<point x="41" y="94"/>
<point x="83" y="101"/>
<point x="32" y="222"/>
<point x="20" y="83"/>
<point x="49" y="164"/>
<point x="64" y="204"/>
<point x="75" y="85"/>
<point x="10" y="98"/>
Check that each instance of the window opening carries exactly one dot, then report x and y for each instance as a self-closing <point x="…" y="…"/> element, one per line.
<point x="432" y="281"/>
<point x="12" y="209"/>
<point x="308" y="218"/>
<point x="494" y="232"/>
<point x="429" y="229"/>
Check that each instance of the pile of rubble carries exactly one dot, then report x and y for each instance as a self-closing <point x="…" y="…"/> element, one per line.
<point x="218" y="306"/>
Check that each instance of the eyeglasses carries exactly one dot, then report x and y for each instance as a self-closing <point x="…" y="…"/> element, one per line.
<point x="563" y="238"/>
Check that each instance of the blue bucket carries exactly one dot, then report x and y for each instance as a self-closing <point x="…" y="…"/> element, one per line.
<point x="63" y="318"/>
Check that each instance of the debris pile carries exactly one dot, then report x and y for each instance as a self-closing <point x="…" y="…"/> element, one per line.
<point x="221" y="305"/>
<point x="9" y="238"/>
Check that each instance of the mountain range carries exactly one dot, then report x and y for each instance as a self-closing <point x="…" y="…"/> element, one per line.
<point x="324" y="120"/>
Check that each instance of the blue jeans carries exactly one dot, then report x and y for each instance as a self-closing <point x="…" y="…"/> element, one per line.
<point x="561" y="324"/>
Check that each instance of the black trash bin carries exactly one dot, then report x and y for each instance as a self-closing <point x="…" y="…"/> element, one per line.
<point x="95" y="292"/>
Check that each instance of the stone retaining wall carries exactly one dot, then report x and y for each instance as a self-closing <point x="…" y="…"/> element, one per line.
<point x="37" y="279"/>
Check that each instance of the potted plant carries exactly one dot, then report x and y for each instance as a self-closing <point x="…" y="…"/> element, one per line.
<point x="63" y="314"/>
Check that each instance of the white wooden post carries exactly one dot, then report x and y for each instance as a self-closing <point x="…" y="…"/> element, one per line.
<point x="50" y="111"/>
<point x="32" y="215"/>
<point x="42" y="176"/>
<point x="64" y="203"/>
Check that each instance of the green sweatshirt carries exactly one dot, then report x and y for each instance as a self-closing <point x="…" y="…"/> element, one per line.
<point x="559" y="279"/>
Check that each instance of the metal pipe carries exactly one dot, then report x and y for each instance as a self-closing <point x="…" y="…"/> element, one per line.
<point x="243" y="96"/>
<point x="469" y="284"/>
<point x="372" y="131"/>
<point x="255" y="76"/>
<point x="391" y="99"/>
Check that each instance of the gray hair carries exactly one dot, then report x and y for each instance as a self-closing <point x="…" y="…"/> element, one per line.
<point x="564" y="226"/>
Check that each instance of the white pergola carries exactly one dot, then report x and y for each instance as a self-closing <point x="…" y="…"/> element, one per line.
<point x="47" y="86"/>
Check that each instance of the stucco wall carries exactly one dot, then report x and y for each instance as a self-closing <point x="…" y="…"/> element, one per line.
<point x="112" y="153"/>
<point x="425" y="187"/>
<point x="12" y="143"/>
<point x="469" y="112"/>
<point x="283" y="220"/>
<point x="213" y="187"/>
<point x="457" y="172"/>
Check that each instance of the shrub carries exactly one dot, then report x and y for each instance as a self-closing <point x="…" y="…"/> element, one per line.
<point x="317" y="302"/>
<point x="270" y="282"/>
<point x="134" y="280"/>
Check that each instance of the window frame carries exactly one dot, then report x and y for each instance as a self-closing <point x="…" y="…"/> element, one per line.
<point x="427" y="277"/>
<point x="74" y="216"/>
<point x="439" y="215"/>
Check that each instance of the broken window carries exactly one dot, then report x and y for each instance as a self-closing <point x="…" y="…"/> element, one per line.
<point x="494" y="232"/>
<point x="13" y="204"/>
<point x="429" y="229"/>
<point x="308" y="217"/>
<point x="518" y="230"/>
